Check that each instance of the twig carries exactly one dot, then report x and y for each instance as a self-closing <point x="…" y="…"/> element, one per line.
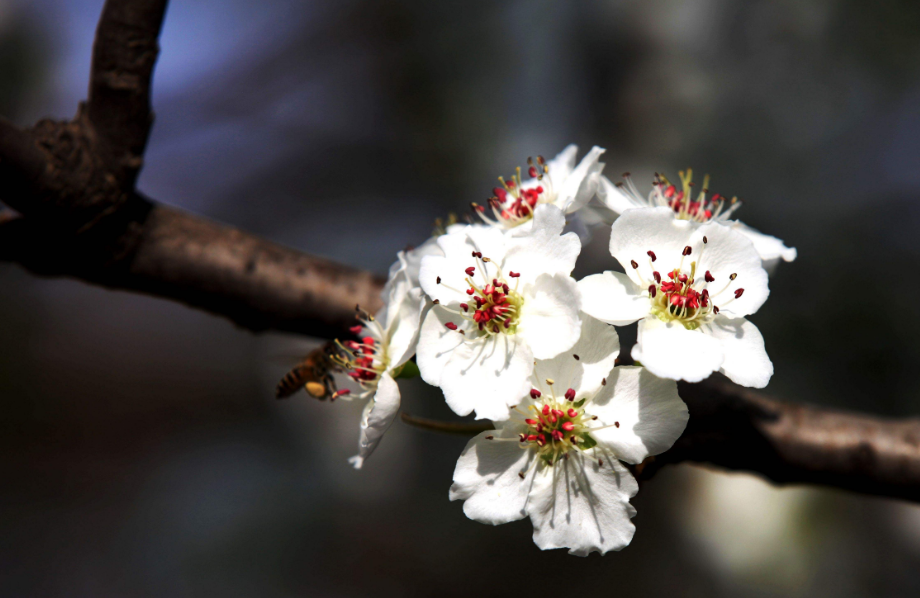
<point x="458" y="428"/>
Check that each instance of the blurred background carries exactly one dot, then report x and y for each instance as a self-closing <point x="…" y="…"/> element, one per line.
<point x="141" y="450"/>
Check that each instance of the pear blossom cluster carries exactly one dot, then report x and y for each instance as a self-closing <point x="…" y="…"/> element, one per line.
<point x="490" y="313"/>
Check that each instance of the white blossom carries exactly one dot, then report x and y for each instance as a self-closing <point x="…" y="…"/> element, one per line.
<point x="704" y="208"/>
<point x="558" y="182"/>
<point x="690" y="287"/>
<point x="501" y="302"/>
<point x="386" y="343"/>
<point x="558" y="459"/>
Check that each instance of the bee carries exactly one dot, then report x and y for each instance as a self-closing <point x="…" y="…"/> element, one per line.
<point x="313" y="374"/>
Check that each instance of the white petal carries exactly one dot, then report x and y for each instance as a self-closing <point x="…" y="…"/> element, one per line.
<point x="640" y="230"/>
<point x="545" y="250"/>
<point x="410" y="262"/>
<point x="613" y="298"/>
<point x="746" y="361"/>
<point x="403" y="328"/>
<point x="486" y="477"/>
<point x="769" y="248"/>
<point x="614" y="198"/>
<point x="730" y="252"/>
<point x="669" y="350"/>
<point x="487" y="375"/>
<point x="650" y="414"/>
<point x="378" y="415"/>
<point x="597" y="349"/>
<point x="450" y="269"/>
<point x="436" y="344"/>
<point x="549" y="320"/>
<point x="562" y="165"/>
<point x="580" y="186"/>
<point x="583" y="507"/>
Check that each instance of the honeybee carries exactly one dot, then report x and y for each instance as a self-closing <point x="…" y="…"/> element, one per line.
<point x="313" y="374"/>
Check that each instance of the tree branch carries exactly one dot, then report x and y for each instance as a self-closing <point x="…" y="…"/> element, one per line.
<point x="73" y="185"/>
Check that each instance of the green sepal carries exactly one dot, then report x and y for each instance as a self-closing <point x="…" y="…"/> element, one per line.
<point x="587" y="442"/>
<point x="578" y="404"/>
<point x="406" y="371"/>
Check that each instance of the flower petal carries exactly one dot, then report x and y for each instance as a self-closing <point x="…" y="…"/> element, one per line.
<point x="640" y="230"/>
<point x="769" y="248"/>
<point x="669" y="350"/>
<point x="378" y="415"/>
<point x="730" y="252"/>
<point x="597" y="349"/>
<point x="402" y="327"/>
<point x="549" y="320"/>
<point x="583" y="507"/>
<point x="613" y="298"/>
<point x="545" y="250"/>
<point x="650" y="414"/>
<point x="487" y="478"/>
<point x="488" y="375"/>
<point x="580" y="185"/>
<point x="436" y="343"/>
<point x="615" y="199"/>
<point x="746" y="360"/>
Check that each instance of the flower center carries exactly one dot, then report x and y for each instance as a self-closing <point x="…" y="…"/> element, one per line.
<point x="683" y="297"/>
<point x="494" y="305"/>
<point x="703" y="208"/>
<point x="513" y="204"/>
<point x="556" y="426"/>
<point x="362" y="361"/>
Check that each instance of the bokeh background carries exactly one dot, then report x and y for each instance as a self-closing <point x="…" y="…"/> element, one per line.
<point x="141" y="450"/>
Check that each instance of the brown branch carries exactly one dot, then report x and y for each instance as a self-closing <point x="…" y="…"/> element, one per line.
<point x="73" y="185"/>
<point x="435" y="425"/>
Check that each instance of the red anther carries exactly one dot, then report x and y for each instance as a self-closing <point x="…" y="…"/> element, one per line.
<point x="470" y="291"/>
<point x="535" y="394"/>
<point x="498" y="298"/>
<point x="438" y="281"/>
<point x="523" y="437"/>
<point x="510" y="184"/>
<point x="682" y="278"/>
<point x="574" y="439"/>
<point x="652" y="255"/>
<point x="465" y="306"/>
<point x="657" y="277"/>
<point x="477" y="254"/>
<point x="570" y="394"/>
<point x="705" y="238"/>
<point x="572" y="413"/>
<point x="677" y="300"/>
<point x="652" y="290"/>
<point x="495" y="282"/>
<point x="482" y="326"/>
<point x="552" y="418"/>
<point x="688" y="250"/>
<point x="532" y="172"/>
<point x="514" y="274"/>
<point x="507" y="323"/>
<point x="488" y="290"/>
<point x="505" y="288"/>
<point x="545" y="409"/>
<point x="478" y="301"/>
<point x="633" y="264"/>
<point x="715" y="309"/>
<point x="539" y="427"/>
<point x="708" y="277"/>
<point x="715" y="197"/>
<point x="356" y="329"/>
<point x="738" y="293"/>
<point x="368" y="340"/>
<point x="500" y="193"/>
<point x="568" y="426"/>
<point x="531" y="422"/>
<point x="540" y="189"/>
<point x="451" y="325"/>
<point x="672" y="275"/>
<point x="541" y="439"/>
<point x="532" y="437"/>
<point x="669" y="192"/>
<point x="470" y="271"/>
<point x="557" y="435"/>
<point x="558" y="412"/>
